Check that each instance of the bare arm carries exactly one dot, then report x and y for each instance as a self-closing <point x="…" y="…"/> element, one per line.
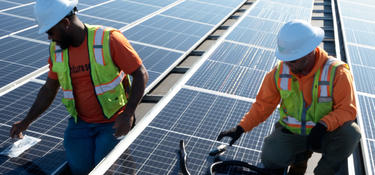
<point x="124" y="121"/>
<point x="44" y="99"/>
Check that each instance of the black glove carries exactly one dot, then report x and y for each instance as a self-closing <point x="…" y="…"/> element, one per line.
<point x="235" y="133"/>
<point x="316" y="135"/>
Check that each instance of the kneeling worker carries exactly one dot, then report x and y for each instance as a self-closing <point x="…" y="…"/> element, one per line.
<point x="317" y="105"/>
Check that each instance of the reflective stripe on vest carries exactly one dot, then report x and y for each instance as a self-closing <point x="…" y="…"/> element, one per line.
<point x="285" y="78"/>
<point x="292" y="122"/>
<point x="98" y="45"/>
<point x="324" y="95"/>
<point x="105" y="75"/>
<point x="101" y="89"/>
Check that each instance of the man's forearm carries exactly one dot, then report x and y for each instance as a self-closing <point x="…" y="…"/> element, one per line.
<point x="140" y="78"/>
<point x="43" y="100"/>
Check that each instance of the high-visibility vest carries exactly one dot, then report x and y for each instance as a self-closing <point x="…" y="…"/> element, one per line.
<point x="105" y="75"/>
<point x="294" y="115"/>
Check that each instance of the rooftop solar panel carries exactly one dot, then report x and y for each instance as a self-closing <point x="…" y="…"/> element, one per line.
<point x="168" y="32"/>
<point x="10" y="24"/>
<point x="24" y="11"/>
<point x="123" y="11"/>
<point x="46" y="156"/>
<point x="198" y="110"/>
<point x="197" y="11"/>
<point x="357" y="31"/>
<point x="194" y="117"/>
<point x="6" y="5"/>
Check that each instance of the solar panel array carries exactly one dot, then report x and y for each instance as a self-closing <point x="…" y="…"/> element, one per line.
<point x="211" y="98"/>
<point x="359" y="36"/>
<point x="161" y="31"/>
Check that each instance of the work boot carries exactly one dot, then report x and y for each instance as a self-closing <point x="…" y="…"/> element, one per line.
<point x="298" y="168"/>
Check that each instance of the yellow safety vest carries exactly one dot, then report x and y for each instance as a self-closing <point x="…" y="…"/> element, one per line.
<point x="294" y="115"/>
<point x="105" y="75"/>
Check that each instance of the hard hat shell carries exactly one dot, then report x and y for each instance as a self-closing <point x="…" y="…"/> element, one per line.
<point x="296" y="39"/>
<point x="49" y="12"/>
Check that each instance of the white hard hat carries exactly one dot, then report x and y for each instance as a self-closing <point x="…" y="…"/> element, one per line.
<point x="49" y="12"/>
<point x="296" y="39"/>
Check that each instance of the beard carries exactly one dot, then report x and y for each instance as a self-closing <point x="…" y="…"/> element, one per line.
<point x="66" y="40"/>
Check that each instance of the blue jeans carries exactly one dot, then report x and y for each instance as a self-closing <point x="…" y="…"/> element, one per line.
<point x="86" y="144"/>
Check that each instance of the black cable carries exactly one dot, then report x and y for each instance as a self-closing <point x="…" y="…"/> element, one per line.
<point x="224" y="164"/>
<point x="183" y="157"/>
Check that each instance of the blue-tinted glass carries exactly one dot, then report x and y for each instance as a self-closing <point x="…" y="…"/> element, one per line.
<point x="99" y="21"/>
<point x="364" y="78"/>
<point x="367" y="115"/>
<point x="155" y="60"/>
<point x="12" y="24"/>
<point x="253" y="37"/>
<point x="168" y="32"/>
<point x="24" y="11"/>
<point x="5" y="5"/>
<point x="224" y="3"/>
<point x="361" y="55"/>
<point x="356" y="10"/>
<point x="250" y="22"/>
<point x="197" y="119"/>
<point x="123" y="11"/>
<point x="159" y="3"/>
<point x="202" y="12"/>
<point x="33" y="33"/>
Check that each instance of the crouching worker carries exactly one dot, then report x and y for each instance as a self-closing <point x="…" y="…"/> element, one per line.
<point x="317" y="105"/>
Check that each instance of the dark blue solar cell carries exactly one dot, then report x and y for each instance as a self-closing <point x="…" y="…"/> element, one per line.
<point x="160" y="3"/>
<point x="156" y="60"/>
<point x="99" y="21"/>
<point x="123" y="11"/>
<point x="196" y="11"/>
<point x="243" y="55"/>
<point x="367" y="115"/>
<point x="168" y="32"/>
<point x="358" y="37"/>
<point x="364" y="78"/>
<point x="224" y="3"/>
<point x="12" y="24"/>
<point x="361" y="56"/>
<point x="5" y="5"/>
<point x="371" y="149"/>
<point x="253" y="37"/>
<point x="259" y="24"/>
<point x="228" y="78"/>
<point x="10" y="72"/>
<point x="33" y="33"/>
<point x="24" y="11"/>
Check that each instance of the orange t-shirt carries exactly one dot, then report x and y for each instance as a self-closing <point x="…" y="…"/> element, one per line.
<point x="88" y="107"/>
<point x="268" y="97"/>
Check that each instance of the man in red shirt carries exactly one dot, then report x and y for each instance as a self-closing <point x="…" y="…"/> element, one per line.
<point x="91" y="64"/>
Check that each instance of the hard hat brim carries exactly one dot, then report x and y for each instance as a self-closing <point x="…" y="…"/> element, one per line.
<point x="307" y="48"/>
<point x="68" y="9"/>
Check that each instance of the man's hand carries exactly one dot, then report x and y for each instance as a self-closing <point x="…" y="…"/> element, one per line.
<point x="316" y="135"/>
<point x="235" y="133"/>
<point x="123" y="124"/>
<point x="17" y="129"/>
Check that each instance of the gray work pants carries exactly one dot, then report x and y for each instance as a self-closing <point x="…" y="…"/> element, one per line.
<point x="281" y="148"/>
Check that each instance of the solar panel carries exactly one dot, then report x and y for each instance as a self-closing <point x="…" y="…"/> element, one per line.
<point x="212" y="97"/>
<point x="168" y="32"/>
<point x="46" y="156"/>
<point x="358" y="30"/>
<point x="194" y="117"/>
<point x="11" y="24"/>
<point x="19" y="57"/>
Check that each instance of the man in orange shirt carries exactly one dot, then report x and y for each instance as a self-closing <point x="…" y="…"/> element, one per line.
<point x="317" y="105"/>
<point x="90" y="64"/>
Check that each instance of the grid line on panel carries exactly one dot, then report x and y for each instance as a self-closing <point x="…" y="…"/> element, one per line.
<point x="367" y="115"/>
<point x="20" y="5"/>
